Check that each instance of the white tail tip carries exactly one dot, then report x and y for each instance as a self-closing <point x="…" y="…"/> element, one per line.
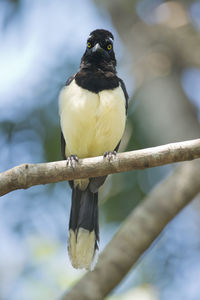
<point x="82" y="250"/>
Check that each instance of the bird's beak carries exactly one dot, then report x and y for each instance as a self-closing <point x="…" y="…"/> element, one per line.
<point x="97" y="47"/>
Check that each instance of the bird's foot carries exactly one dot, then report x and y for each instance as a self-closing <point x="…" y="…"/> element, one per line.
<point x="72" y="160"/>
<point x="110" y="155"/>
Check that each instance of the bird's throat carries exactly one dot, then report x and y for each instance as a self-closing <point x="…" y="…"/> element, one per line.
<point x="96" y="78"/>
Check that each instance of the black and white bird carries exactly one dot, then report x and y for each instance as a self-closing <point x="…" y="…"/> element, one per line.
<point x="92" y="108"/>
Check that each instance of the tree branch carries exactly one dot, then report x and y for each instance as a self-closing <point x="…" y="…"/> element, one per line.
<point x="27" y="175"/>
<point x="138" y="232"/>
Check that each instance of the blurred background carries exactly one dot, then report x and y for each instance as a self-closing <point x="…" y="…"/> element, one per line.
<point x="157" y="44"/>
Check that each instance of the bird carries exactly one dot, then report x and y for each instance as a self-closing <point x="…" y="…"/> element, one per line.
<point x="92" y="107"/>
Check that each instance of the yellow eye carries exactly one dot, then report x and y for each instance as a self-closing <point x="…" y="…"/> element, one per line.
<point x="89" y="44"/>
<point x="109" y="46"/>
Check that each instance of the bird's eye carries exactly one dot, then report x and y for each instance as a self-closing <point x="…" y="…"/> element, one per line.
<point x="109" y="46"/>
<point x="89" y="45"/>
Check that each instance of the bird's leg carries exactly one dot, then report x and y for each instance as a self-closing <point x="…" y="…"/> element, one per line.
<point x="110" y="155"/>
<point x="72" y="160"/>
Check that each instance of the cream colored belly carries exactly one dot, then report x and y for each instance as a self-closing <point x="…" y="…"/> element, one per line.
<point x="91" y="123"/>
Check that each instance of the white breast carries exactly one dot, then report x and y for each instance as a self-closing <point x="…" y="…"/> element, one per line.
<point x="91" y="123"/>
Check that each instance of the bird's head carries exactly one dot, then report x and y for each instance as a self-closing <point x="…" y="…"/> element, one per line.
<point x="99" y="48"/>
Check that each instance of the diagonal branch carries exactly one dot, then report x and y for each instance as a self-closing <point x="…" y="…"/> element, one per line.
<point x="138" y="232"/>
<point x="27" y="175"/>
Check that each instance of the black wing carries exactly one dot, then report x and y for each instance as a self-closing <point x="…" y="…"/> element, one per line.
<point x="125" y="93"/>
<point x="69" y="80"/>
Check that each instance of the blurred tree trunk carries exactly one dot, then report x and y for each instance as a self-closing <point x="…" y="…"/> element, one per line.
<point x="159" y="53"/>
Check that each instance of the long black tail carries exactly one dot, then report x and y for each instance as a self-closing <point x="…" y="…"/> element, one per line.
<point x="83" y="228"/>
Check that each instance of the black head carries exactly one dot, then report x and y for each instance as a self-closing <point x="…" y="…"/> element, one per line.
<point x="97" y="70"/>
<point x="100" y="48"/>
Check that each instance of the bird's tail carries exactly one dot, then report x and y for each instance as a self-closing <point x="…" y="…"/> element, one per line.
<point x="83" y="229"/>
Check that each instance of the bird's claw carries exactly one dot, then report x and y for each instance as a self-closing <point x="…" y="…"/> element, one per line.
<point x="72" y="160"/>
<point x="110" y="155"/>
